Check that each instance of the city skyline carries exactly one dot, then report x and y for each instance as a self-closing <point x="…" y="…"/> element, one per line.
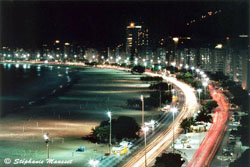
<point x="124" y="83"/>
<point x="102" y="24"/>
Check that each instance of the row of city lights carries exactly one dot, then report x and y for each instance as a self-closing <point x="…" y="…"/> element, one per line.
<point x="210" y="13"/>
<point x="94" y="162"/>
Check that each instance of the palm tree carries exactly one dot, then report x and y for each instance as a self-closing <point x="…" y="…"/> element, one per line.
<point x="185" y="124"/>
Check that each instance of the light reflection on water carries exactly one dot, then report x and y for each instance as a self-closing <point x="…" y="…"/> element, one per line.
<point x="9" y="66"/>
<point x="51" y="68"/>
<point x="38" y="68"/>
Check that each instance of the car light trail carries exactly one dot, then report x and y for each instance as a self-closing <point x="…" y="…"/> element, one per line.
<point x="205" y="153"/>
<point x="162" y="141"/>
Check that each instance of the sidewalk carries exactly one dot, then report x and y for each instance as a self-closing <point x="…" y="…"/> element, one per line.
<point x="188" y="143"/>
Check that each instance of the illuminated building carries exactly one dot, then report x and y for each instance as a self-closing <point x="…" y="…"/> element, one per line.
<point x="218" y="61"/>
<point x="206" y="59"/>
<point x="136" y="40"/>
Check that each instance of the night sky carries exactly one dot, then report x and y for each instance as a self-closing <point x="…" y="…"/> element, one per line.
<point x="101" y="24"/>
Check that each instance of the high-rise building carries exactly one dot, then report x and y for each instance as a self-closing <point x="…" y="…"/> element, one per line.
<point x="245" y="69"/>
<point x="136" y="40"/>
<point x="206" y="59"/>
<point x="219" y="57"/>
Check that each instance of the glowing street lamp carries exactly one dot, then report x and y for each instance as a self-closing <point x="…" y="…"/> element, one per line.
<point x="46" y="139"/>
<point x="173" y="91"/>
<point x="110" y="116"/>
<point x="204" y="76"/>
<point x="204" y="84"/>
<point x="159" y="67"/>
<point x="192" y="68"/>
<point x="142" y="110"/>
<point x="145" y="130"/>
<point x="199" y="92"/>
<point x="197" y="70"/>
<point x="93" y="163"/>
<point x="173" y="110"/>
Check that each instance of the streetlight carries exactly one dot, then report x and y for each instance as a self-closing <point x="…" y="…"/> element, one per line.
<point x="46" y="138"/>
<point x="159" y="67"/>
<point x="173" y="110"/>
<point x="192" y="68"/>
<point x="110" y="116"/>
<point x="205" y="85"/>
<point x="152" y="122"/>
<point x="197" y="71"/>
<point x="142" y="110"/>
<point x="173" y="91"/>
<point x="199" y="92"/>
<point x="93" y="163"/>
<point x="145" y="129"/>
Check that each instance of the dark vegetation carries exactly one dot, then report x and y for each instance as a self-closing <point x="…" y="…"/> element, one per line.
<point x="189" y="79"/>
<point x="122" y="128"/>
<point x="240" y="96"/>
<point x="243" y="161"/>
<point x="203" y="116"/>
<point x="138" y="69"/>
<point x="243" y="131"/>
<point x="169" y="160"/>
<point x="186" y="124"/>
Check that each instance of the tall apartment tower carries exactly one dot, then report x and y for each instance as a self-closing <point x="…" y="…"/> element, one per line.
<point x="206" y="59"/>
<point x="136" y="40"/>
<point x="219" y="58"/>
<point x="245" y="83"/>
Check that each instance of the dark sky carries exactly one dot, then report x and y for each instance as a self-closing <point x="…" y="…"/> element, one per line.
<point x="100" y="24"/>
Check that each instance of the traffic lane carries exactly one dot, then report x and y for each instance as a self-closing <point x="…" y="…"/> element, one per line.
<point x="207" y="149"/>
<point x="190" y="107"/>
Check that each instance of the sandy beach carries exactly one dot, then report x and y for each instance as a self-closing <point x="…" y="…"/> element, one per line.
<point x="70" y="116"/>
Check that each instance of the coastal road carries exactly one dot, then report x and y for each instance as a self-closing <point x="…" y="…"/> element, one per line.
<point x="164" y="122"/>
<point x="163" y="141"/>
<point x="205" y="153"/>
